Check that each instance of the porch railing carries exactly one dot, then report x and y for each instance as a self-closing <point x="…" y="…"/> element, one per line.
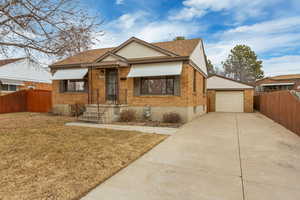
<point x="95" y="97"/>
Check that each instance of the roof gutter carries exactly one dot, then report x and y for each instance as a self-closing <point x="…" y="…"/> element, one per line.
<point x="68" y="66"/>
<point x="131" y="61"/>
<point x="155" y="60"/>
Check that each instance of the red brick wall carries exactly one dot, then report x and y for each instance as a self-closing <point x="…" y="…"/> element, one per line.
<point x="67" y="97"/>
<point x="187" y="96"/>
<point x="38" y="86"/>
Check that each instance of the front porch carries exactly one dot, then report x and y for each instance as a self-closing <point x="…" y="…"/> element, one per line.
<point x="107" y="86"/>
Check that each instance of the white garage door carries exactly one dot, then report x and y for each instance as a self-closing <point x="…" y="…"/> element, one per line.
<point x="230" y="101"/>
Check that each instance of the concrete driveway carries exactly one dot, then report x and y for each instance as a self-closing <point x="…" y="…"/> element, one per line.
<point x="219" y="156"/>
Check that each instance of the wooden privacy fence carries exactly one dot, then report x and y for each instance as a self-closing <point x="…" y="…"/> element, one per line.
<point x="26" y="101"/>
<point x="282" y="107"/>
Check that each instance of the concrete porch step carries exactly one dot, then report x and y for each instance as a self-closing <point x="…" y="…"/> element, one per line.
<point x="93" y="114"/>
<point x="95" y="109"/>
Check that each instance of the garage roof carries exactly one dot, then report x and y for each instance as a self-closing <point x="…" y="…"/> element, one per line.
<point x="220" y="82"/>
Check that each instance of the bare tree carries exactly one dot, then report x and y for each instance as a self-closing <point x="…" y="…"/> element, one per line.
<point x="52" y="27"/>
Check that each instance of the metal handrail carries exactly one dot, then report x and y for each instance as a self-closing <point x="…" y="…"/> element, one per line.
<point x="121" y="97"/>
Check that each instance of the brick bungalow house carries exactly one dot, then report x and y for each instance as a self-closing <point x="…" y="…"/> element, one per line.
<point x="153" y="78"/>
<point x="20" y="73"/>
<point x="276" y="83"/>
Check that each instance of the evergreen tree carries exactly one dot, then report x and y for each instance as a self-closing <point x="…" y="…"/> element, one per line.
<point x="242" y="64"/>
<point x="210" y="67"/>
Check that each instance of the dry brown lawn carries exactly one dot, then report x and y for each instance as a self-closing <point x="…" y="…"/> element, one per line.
<point x="40" y="158"/>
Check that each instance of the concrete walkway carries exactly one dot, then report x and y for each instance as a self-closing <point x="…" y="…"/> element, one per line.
<point x="220" y="156"/>
<point x="145" y="129"/>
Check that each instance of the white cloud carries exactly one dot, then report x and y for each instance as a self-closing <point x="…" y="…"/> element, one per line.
<point x="273" y="38"/>
<point x="141" y="25"/>
<point x="187" y="13"/>
<point x="240" y="9"/>
<point x="289" y="64"/>
<point x="270" y="38"/>
<point x="127" y="21"/>
<point x="162" y="31"/>
<point x="119" y="2"/>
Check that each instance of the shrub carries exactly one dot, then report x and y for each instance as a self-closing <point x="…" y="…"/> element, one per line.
<point x="171" y="118"/>
<point x="77" y="109"/>
<point x="127" y="116"/>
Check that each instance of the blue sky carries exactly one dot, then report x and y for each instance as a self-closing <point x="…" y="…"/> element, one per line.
<point x="270" y="27"/>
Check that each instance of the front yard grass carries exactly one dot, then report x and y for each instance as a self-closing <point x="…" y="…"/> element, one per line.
<point x="40" y="158"/>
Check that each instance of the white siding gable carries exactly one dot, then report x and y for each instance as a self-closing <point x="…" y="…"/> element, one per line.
<point x="109" y="58"/>
<point x="216" y="82"/>
<point x="136" y="50"/>
<point x="198" y="57"/>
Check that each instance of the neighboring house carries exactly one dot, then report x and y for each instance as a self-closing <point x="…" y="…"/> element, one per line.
<point x="154" y="78"/>
<point x="228" y="95"/>
<point x="21" y="73"/>
<point x="276" y="83"/>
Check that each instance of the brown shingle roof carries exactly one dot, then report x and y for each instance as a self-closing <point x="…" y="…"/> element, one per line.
<point x="7" y="61"/>
<point x="179" y="47"/>
<point x="287" y="76"/>
<point x="84" y="57"/>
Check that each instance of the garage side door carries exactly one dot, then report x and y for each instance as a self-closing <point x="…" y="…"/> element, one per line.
<point x="230" y="101"/>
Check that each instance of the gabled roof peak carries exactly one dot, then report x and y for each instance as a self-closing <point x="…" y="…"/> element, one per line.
<point x="142" y="42"/>
<point x="110" y="53"/>
<point x="178" y="47"/>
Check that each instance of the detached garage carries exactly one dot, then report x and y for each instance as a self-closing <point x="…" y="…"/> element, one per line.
<point x="228" y="95"/>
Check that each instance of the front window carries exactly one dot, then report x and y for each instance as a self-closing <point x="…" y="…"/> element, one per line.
<point x="6" y="87"/>
<point x="157" y="86"/>
<point x="74" y="85"/>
